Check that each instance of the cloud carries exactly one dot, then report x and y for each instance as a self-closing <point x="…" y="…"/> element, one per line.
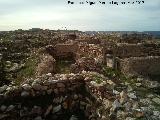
<point x="56" y="14"/>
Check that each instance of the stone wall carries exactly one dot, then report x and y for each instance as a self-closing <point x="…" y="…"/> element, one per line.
<point x="136" y="50"/>
<point x="64" y="50"/>
<point x="60" y="97"/>
<point x="89" y="41"/>
<point x="89" y="50"/>
<point x="128" y="50"/>
<point x="141" y="65"/>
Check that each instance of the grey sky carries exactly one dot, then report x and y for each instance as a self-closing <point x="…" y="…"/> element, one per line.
<point x="55" y="14"/>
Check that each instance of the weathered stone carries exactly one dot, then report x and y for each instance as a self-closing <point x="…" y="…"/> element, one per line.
<point x="139" y="114"/>
<point x="3" y="108"/>
<point x="121" y="115"/>
<point x="138" y="84"/>
<point x="56" y="91"/>
<point x="10" y="108"/>
<point x="65" y="105"/>
<point x="56" y="109"/>
<point x="128" y="106"/>
<point x="38" y="118"/>
<point x="48" y="110"/>
<point x="152" y="84"/>
<point x="56" y="100"/>
<point x="150" y="95"/>
<point x="132" y="95"/>
<point x="3" y="88"/>
<point x="135" y="105"/>
<point x="123" y="97"/>
<point x="46" y="66"/>
<point x="60" y="85"/>
<point x="25" y="94"/>
<point x="147" y="110"/>
<point x="73" y="117"/>
<point x="156" y="100"/>
<point x="26" y="87"/>
<point x="129" y="88"/>
<point x="146" y="101"/>
<point x="115" y="92"/>
<point x="129" y="118"/>
<point x="116" y="104"/>
<point x="36" y="110"/>
<point x="3" y="116"/>
<point x="156" y="113"/>
<point x="49" y="91"/>
<point x="75" y="96"/>
<point x="36" y="86"/>
<point x="62" y="89"/>
<point x="107" y="104"/>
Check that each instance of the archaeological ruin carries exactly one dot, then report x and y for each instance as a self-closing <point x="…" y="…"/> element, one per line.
<point x="74" y="75"/>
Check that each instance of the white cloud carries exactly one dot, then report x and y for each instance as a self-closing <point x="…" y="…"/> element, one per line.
<point x="56" y="14"/>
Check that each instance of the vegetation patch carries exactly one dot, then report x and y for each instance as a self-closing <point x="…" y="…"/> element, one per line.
<point x="28" y="70"/>
<point x="63" y="66"/>
<point x="97" y="78"/>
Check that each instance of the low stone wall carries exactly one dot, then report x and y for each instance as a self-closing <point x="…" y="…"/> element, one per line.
<point x="128" y="50"/>
<point x="141" y="65"/>
<point x="62" y="96"/>
<point x="136" y="50"/>
<point x="64" y="50"/>
<point x="89" y="41"/>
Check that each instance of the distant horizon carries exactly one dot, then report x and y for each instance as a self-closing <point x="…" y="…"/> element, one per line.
<point x="84" y="31"/>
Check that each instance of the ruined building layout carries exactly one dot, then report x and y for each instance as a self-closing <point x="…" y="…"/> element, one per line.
<point x="74" y="75"/>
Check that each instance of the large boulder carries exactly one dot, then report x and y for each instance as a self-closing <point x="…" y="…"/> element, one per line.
<point x="47" y="65"/>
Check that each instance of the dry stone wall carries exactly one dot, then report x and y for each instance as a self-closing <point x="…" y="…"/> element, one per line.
<point x="65" y="50"/>
<point x="136" y="50"/>
<point x="59" y="97"/>
<point x="141" y="65"/>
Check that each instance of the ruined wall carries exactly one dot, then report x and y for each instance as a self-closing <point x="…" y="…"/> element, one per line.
<point x="89" y="41"/>
<point x="136" y="50"/>
<point x="66" y="49"/>
<point x="58" y="98"/>
<point x="86" y="64"/>
<point x="89" y="50"/>
<point x="128" y="50"/>
<point x="141" y="65"/>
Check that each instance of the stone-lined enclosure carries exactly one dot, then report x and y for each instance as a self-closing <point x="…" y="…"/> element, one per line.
<point x="60" y="97"/>
<point x="146" y="66"/>
<point x="134" y="59"/>
<point x="112" y="54"/>
<point x="84" y="94"/>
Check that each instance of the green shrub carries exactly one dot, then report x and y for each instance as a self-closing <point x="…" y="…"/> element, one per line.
<point x="28" y="70"/>
<point x="98" y="79"/>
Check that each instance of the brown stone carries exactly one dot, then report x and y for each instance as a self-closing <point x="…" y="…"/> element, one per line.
<point x="60" y="85"/>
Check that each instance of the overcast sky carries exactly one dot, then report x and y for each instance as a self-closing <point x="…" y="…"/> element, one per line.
<point x="55" y="14"/>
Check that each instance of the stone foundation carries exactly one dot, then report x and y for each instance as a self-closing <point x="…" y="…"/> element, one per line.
<point x="141" y="65"/>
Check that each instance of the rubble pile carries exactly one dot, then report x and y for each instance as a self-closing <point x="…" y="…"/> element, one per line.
<point x="46" y="65"/>
<point x="89" y="50"/>
<point x="87" y="64"/>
